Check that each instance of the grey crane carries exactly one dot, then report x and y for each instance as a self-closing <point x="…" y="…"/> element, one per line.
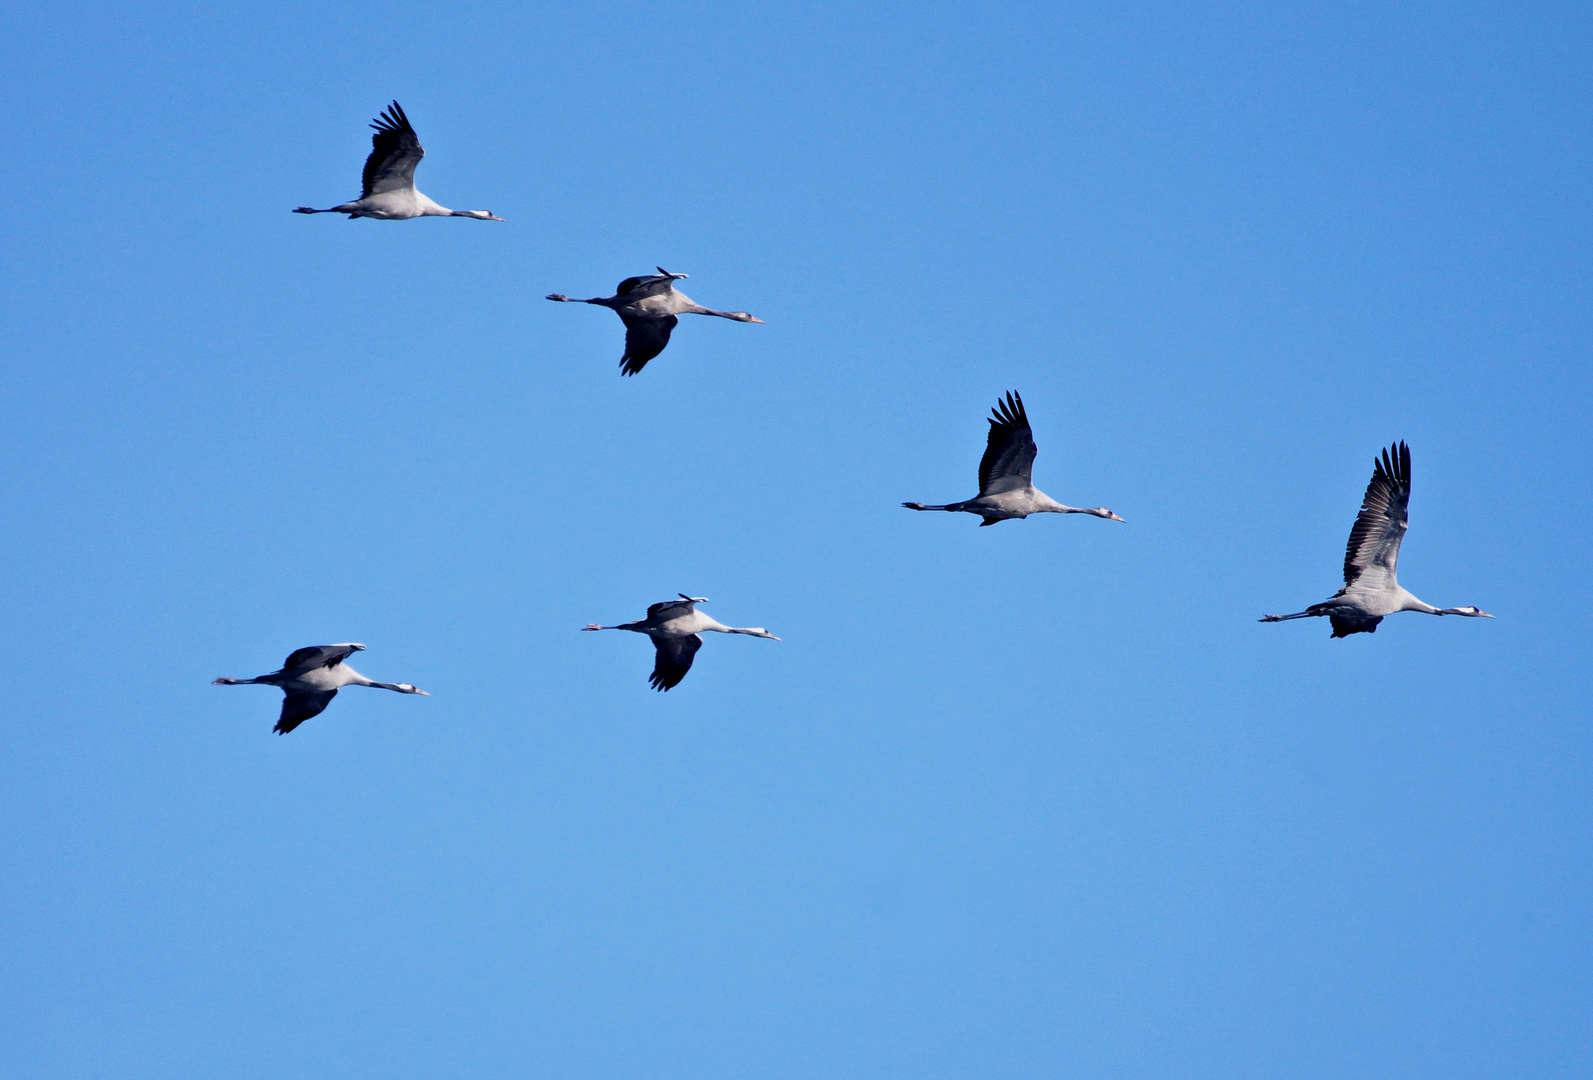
<point x="674" y="625"/>
<point x="1004" y="487"/>
<point x="1370" y="590"/>
<point x="388" y="190"/>
<point x="311" y="677"/>
<point x="648" y="307"/>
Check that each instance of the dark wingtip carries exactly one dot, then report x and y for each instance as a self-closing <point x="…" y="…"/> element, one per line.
<point x="1009" y="410"/>
<point x="392" y="118"/>
<point x="1394" y="462"/>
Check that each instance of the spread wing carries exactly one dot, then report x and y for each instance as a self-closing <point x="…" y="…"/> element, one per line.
<point x="314" y="656"/>
<point x="395" y="151"/>
<point x="645" y="338"/>
<point x="299" y="707"/>
<point x="674" y="660"/>
<point x="1373" y="551"/>
<point x="669" y="609"/>
<point x="639" y="288"/>
<point x="1009" y="450"/>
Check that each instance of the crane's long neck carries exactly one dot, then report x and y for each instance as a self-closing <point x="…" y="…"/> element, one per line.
<point x="1411" y="603"/>
<point x="354" y="678"/>
<point x="1049" y="505"/>
<point x="721" y="628"/>
<point x="1469" y="612"/>
<point x="691" y="307"/>
<point x="428" y="208"/>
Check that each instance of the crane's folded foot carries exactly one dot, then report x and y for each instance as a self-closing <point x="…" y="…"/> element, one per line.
<point x="558" y="296"/>
<point x="593" y="626"/>
<point x="303" y="210"/>
<point x="915" y="506"/>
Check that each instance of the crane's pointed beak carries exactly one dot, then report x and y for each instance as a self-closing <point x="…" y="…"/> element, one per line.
<point x="1114" y="517"/>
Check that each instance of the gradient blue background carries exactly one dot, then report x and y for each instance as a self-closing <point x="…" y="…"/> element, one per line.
<point x="1041" y="800"/>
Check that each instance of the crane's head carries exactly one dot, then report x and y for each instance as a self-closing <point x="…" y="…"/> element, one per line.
<point x="1103" y="512"/>
<point x="1468" y="611"/>
<point x="410" y="688"/>
<point x="745" y="316"/>
<point x="479" y="215"/>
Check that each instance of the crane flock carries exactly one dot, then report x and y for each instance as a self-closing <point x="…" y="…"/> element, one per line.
<point x="650" y="306"/>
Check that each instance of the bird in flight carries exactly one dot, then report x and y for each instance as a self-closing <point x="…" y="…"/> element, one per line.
<point x="1004" y="487"/>
<point x="388" y="189"/>
<point x="648" y="307"/>
<point x="1370" y="590"/>
<point x="674" y="625"/>
<point x="311" y="677"/>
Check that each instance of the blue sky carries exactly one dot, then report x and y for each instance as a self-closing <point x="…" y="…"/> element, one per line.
<point x="1039" y="800"/>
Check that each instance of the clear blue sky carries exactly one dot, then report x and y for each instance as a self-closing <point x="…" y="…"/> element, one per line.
<point x="1040" y="800"/>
